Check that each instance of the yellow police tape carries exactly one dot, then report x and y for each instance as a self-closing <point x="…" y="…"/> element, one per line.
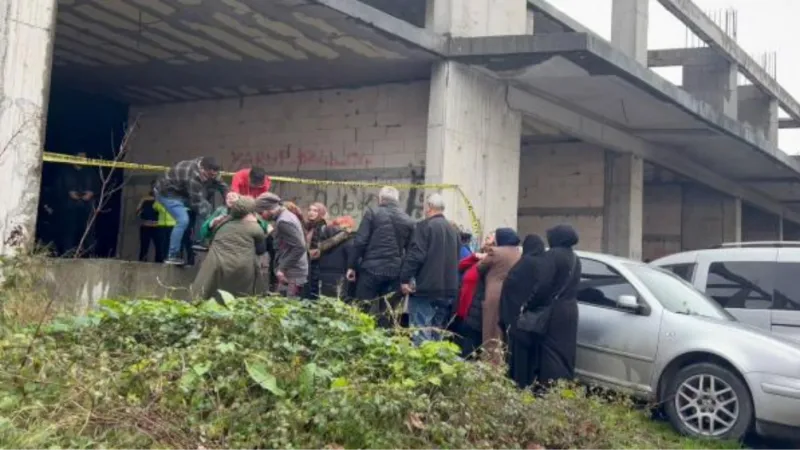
<point x="77" y="160"/>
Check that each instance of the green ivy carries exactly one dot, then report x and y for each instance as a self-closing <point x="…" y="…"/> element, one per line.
<point x="274" y="373"/>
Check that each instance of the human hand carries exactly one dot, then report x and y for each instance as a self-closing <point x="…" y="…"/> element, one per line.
<point x="406" y="289"/>
<point x="351" y="275"/>
<point x="280" y="276"/>
<point x="88" y="196"/>
<point x="74" y="195"/>
<point x="480" y="256"/>
<point x="314" y="254"/>
<point x="216" y="221"/>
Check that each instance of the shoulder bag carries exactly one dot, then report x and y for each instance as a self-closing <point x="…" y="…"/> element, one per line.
<point x="534" y="323"/>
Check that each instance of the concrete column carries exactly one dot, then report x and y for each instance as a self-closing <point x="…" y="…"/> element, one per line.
<point x="26" y="41"/>
<point x="623" y="206"/>
<point x="474" y="18"/>
<point x="713" y="82"/>
<point x="759" y="110"/>
<point x="709" y="218"/>
<point x="629" y="19"/>
<point x="758" y="225"/>
<point x="473" y="136"/>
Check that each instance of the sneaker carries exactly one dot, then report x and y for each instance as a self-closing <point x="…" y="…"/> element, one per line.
<point x="174" y="262"/>
<point x="200" y="248"/>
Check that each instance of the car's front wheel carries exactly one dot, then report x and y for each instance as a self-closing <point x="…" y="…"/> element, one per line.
<point x="708" y="400"/>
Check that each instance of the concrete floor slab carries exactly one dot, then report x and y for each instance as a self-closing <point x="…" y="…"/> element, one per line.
<point x="154" y="51"/>
<point x="591" y="77"/>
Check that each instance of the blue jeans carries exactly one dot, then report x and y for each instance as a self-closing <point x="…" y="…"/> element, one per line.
<point x="177" y="209"/>
<point x="428" y="313"/>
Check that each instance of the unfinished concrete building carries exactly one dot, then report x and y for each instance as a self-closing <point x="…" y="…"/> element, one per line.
<point x="539" y="120"/>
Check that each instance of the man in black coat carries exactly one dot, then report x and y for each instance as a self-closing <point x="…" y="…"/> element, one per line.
<point x="378" y="250"/>
<point x="432" y="262"/>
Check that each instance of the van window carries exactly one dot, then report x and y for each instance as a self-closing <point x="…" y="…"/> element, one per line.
<point x="685" y="271"/>
<point x="787" y="289"/>
<point x="742" y="284"/>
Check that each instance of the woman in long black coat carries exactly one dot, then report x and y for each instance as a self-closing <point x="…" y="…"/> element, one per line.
<point x="528" y="283"/>
<point x="559" y="344"/>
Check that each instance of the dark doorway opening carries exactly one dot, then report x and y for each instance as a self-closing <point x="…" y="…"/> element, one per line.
<point x="79" y="122"/>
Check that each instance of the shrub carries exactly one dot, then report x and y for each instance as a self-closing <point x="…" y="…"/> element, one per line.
<point x="278" y="374"/>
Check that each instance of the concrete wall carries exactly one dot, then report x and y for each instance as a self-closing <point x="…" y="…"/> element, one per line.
<point x="662" y="214"/>
<point x="758" y="225"/>
<point x="563" y="183"/>
<point x="77" y="285"/>
<point x="371" y="133"/>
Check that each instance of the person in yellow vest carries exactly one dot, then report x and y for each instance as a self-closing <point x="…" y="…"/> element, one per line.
<point x="155" y="227"/>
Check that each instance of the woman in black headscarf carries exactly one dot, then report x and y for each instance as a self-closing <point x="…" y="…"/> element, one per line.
<point x="530" y="278"/>
<point x="559" y="344"/>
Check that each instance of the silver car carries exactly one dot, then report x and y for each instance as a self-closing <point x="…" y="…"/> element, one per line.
<point x="648" y="332"/>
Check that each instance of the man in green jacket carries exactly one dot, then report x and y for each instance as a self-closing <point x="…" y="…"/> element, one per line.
<point x="219" y="216"/>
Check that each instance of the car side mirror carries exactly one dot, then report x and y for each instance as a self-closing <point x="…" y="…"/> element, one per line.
<point x="628" y="303"/>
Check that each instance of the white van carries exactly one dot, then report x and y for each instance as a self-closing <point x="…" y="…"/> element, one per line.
<point x="757" y="282"/>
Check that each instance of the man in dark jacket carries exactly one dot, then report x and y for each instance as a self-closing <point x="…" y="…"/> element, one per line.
<point x="432" y="262"/>
<point x="378" y="250"/>
<point x="187" y="185"/>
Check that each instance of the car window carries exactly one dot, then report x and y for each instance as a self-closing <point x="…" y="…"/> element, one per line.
<point x="685" y="271"/>
<point x="787" y="288"/>
<point x="677" y="295"/>
<point x="742" y="284"/>
<point x="601" y="285"/>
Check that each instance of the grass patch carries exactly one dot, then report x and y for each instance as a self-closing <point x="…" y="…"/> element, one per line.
<point x="272" y="373"/>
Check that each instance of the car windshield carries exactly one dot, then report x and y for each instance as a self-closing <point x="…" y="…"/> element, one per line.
<point x="677" y="295"/>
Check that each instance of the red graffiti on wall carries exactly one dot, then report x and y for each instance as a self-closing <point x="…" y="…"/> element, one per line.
<point x="295" y="158"/>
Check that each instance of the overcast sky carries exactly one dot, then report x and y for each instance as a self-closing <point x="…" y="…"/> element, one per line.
<point x="763" y="26"/>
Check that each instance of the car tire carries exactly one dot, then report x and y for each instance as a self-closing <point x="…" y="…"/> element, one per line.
<point x="692" y="416"/>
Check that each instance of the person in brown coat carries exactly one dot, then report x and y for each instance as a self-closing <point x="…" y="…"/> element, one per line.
<point x="496" y="265"/>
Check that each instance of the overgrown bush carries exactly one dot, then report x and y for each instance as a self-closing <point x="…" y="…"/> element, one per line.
<point x="279" y="374"/>
<point x="23" y="292"/>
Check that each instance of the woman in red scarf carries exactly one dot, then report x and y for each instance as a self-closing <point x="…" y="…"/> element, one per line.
<point x="471" y="284"/>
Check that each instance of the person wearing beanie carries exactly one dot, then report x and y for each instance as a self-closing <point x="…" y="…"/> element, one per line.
<point x="231" y="264"/>
<point x="291" y="259"/>
<point x="484" y="314"/>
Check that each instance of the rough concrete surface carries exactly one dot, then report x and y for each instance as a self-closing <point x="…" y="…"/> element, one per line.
<point x="78" y="285"/>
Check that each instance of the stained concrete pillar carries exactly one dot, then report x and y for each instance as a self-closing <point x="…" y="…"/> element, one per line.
<point x="629" y="21"/>
<point x="473" y="136"/>
<point x="709" y="218"/>
<point x="623" y="205"/>
<point x="26" y="42"/>
<point x="758" y="225"/>
<point x="662" y="208"/>
<point x="714" y="82"/>
<point x="759" y="110"/>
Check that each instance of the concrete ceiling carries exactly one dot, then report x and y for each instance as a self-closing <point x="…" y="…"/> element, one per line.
<point x="151" y="51"/>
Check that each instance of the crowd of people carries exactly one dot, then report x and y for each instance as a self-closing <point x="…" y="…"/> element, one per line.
<point x="507" y="305"/>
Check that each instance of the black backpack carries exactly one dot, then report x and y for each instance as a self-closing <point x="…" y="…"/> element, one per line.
<point x="148" y="211"/>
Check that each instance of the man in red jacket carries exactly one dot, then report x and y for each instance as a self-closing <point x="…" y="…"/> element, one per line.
<point x="252" y="182"/>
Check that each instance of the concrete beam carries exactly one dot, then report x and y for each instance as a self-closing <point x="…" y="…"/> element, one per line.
<point x="391" y="26"/>
<point x="598" y="133"/>
<point x="675" y="57"/>
<point x="788" y="124"/>
<point x="702" y="25"/>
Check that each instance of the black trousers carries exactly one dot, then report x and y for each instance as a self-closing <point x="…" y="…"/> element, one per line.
<point x="159" y="237"/>
<point x="370" y="292"/>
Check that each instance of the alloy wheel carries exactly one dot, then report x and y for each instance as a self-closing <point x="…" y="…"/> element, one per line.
<point x="707" y="405"/>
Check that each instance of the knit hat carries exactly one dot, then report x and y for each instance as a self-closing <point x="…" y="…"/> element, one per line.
<point x="242" y="206"/>
<point x="506" y="237"/>
<point x="267" y="202"/>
